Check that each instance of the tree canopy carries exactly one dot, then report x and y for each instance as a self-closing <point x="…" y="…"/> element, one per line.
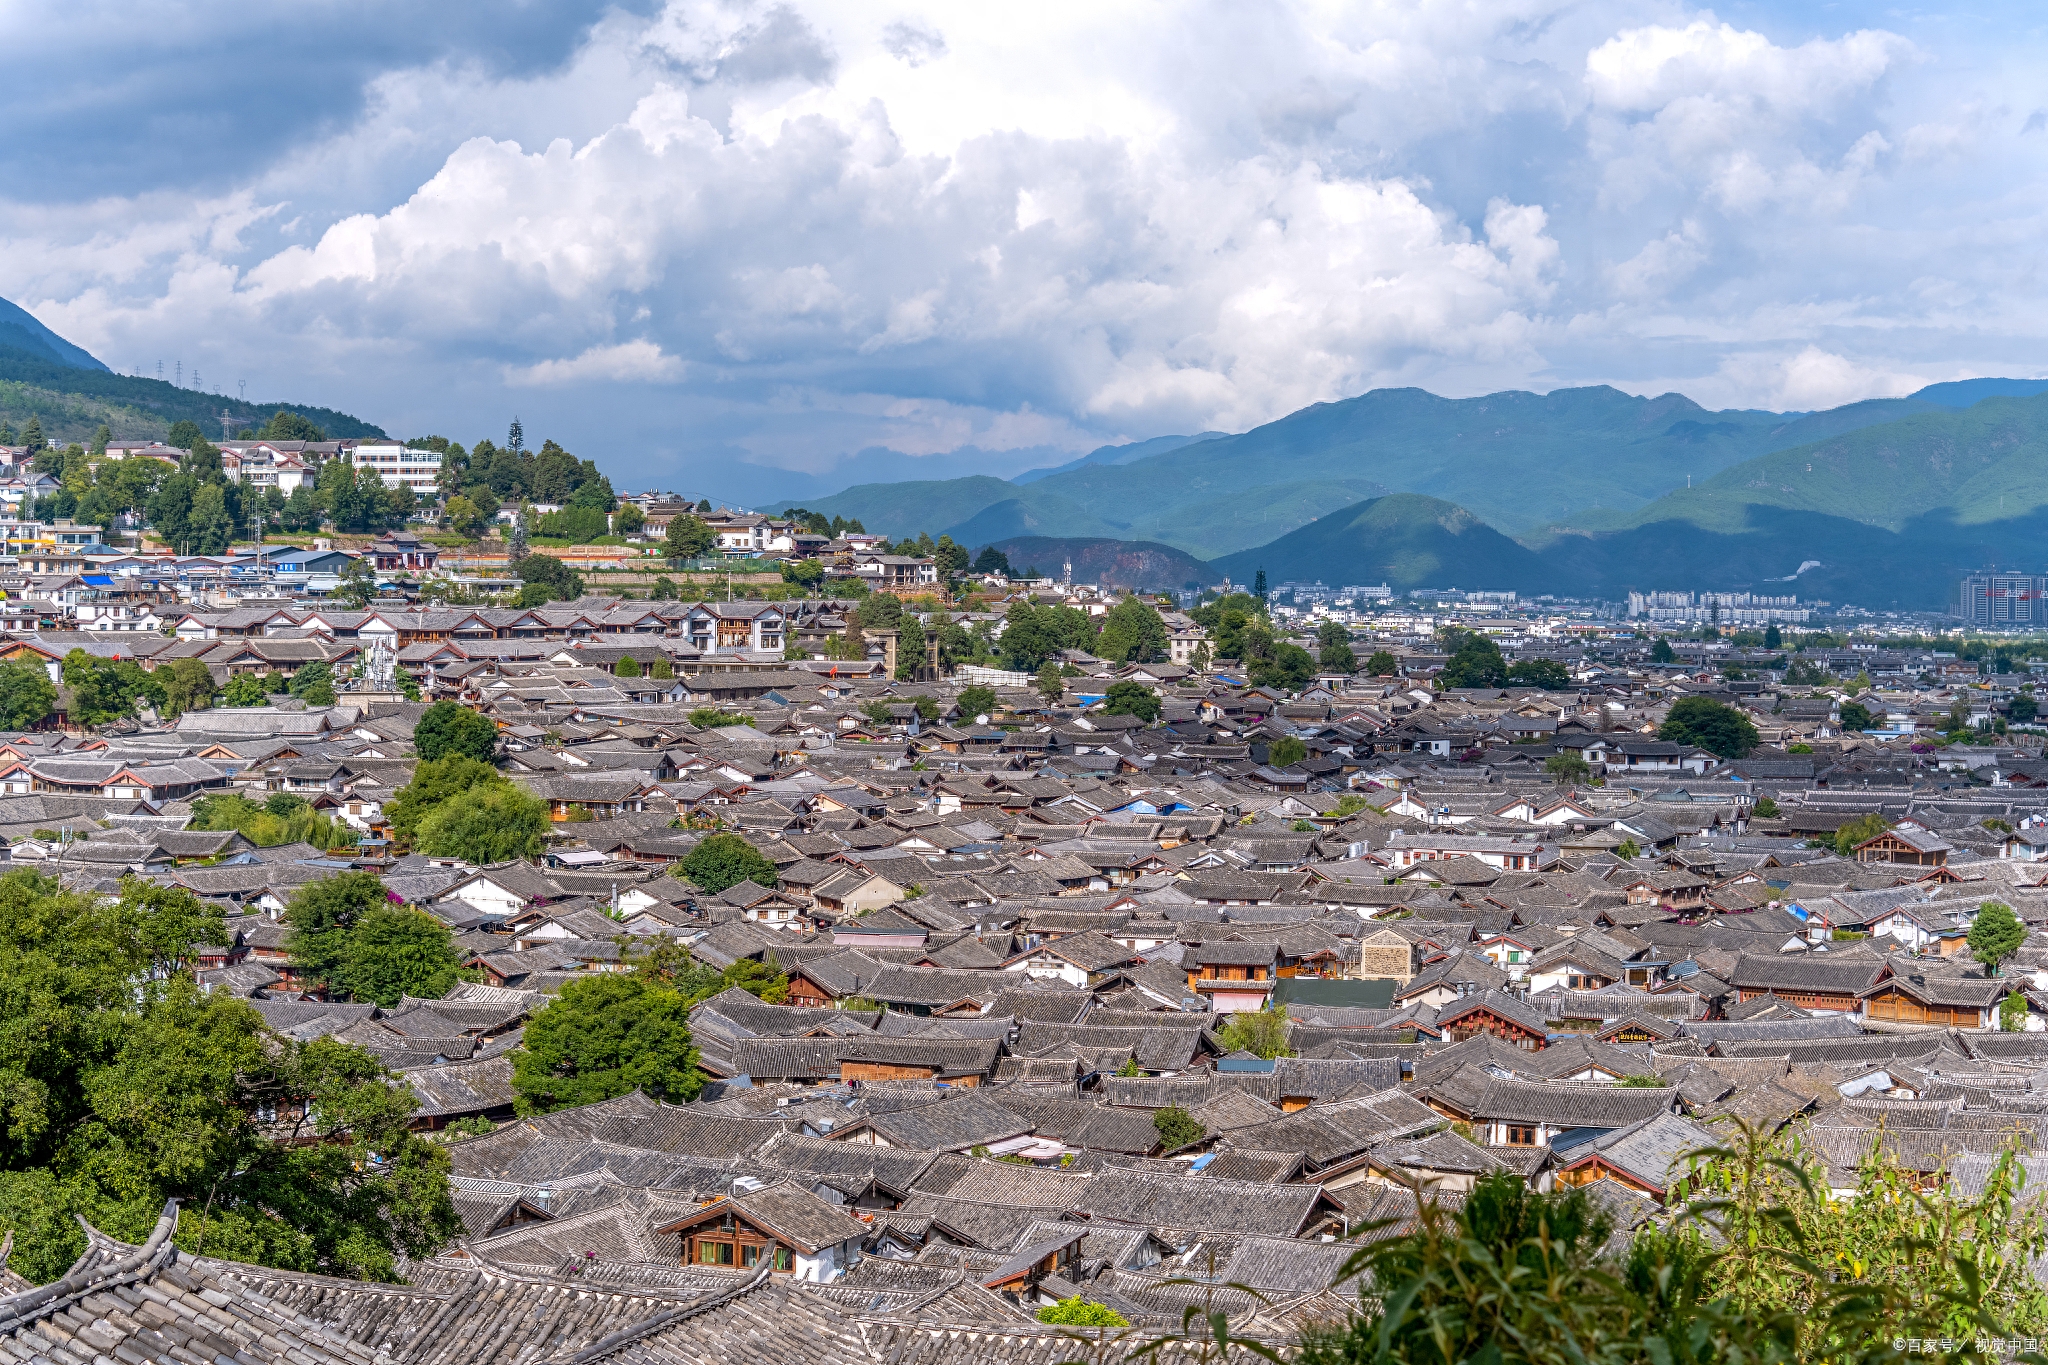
<point x="122" y="1084"/>
<point x="1995" y="934"/>
<point x="1475" y="661"/>
<point x="726" y="860"/>
<point x="1132" y="698"/>
<point x="1708" y="724"/>
<point x="450" y="728"/>
<point x="603" y="1037"/>
<point x="1133" y="632"/>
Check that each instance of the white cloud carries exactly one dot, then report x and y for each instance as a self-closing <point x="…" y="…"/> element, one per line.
<point x="1647" y="70"/>
<point x="1812" y="379"/>
<point x="629" y="362"/>
<point x="821" y="228"/>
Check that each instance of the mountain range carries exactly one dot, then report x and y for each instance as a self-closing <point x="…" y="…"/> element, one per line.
<point x="71" y="394"/>
<point x="1578" y="491"/>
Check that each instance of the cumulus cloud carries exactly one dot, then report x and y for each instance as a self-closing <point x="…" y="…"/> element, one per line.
<point x="781" y="233"/>
<point x="627" y="362"/>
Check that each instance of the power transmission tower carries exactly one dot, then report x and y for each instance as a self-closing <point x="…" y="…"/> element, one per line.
<point x="178" y="381"/>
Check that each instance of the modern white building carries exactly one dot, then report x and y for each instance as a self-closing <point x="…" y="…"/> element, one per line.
<point x="419" y="470"/>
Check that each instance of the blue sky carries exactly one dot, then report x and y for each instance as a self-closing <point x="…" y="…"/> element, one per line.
<point x="759" y="251"/>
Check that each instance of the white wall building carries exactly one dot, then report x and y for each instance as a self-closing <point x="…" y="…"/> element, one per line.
<point x="419" y="470"/>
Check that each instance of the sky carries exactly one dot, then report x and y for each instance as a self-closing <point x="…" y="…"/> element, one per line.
<point x="760" y="251"/>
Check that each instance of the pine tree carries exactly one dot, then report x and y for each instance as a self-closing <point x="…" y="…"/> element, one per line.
<point x="32" y="434"/>
<point x="1259" y="584"/>
<point x="516" y="438"/>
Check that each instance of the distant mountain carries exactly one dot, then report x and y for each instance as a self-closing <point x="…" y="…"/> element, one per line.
<point x="1521" y="461"/>
<point x="1117" y="563"/>
<point x="20" y="331"/>
<point x="1404" y="540"/>
<point x="72" y="403"/>
<point x="1894" y="497"/>
<point x="1978" y="464"/>
<point x="1123" y="454"/>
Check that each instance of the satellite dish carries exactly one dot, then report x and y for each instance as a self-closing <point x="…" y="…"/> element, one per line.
<point x="981" y="719"/>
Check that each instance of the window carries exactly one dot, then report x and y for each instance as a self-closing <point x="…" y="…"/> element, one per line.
<point x="1521" y="1135"/>
<point x="714" y="1253"/>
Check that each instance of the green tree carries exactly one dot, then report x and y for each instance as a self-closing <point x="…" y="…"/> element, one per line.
<point x="661" y="669"/>
<point x="26" y="694"/>
<point x="628" y="667"/>
<point x="688" y="538"/>
<point x="313" y="684"/>
<point x="244" y="689"/>
<point x="320" y="918"/>
<point x="106" y="689"/>
<point x="395" y="950"/>
<point x="434" y="782"/>
<point x="1382" y="664"/>
<point x="464" y="517"/>
<point x="726" y="860"/>
<point x="1855" y="718"/>
<point x="1567" y="769"/>
<point x="1133" y="632"/>
<point x="629" y="520"/>
<point x="1710" y="725"/>
<point x="2012" y="1013"/>
<point x="1860" y="830"/>
<point x="2022" y="709"/>
<point x="1661" y="652"/>
<point x="976" y="701"/>
<point x="910" y="651"/>
<point x="1177" y="1128"/>
<point x="358" y="583"/>
<point x="1287" y="667"/>
<point x="1079" y="1312"/>
<point x="1765" y="809"/>
<point x="1334" y="652"/>
<point x="1995" y="934"/>
<point x="1263" y="1033"/>
<point x="289" y="426"/>
<point x="188" y="685"/>
<point x="1130" y="698"/>
<point x="1286" y="751"/>
<point x="492" y="823"/>
<point x="1475" y="662"/>
<point x="558" y="580"/>
<point x="209" y="526"/>
<point x="604" y="1037"/>
<point x="1548" y="674"/>
<point x="1773" y="638"/>
<point x="1050" y="684"/>
<point x="1628" y="850"/>
<point x="449" y="728"/>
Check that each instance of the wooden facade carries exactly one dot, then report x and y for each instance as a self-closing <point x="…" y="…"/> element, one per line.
<point x="731" y="1240"/>
<point x="1478" y="1021"/>
<point x="898" y="1071"/>
<point x="1893" y="1005"/>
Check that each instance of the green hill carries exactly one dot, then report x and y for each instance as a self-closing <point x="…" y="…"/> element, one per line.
<point x="20" y="330"/>
<point x="1117" y="563"/>
<point x="1518" y="460"/>
<point x="73" y="402"/>
<point x="1984" y="463"/>
<point x="1405" y="540"/>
